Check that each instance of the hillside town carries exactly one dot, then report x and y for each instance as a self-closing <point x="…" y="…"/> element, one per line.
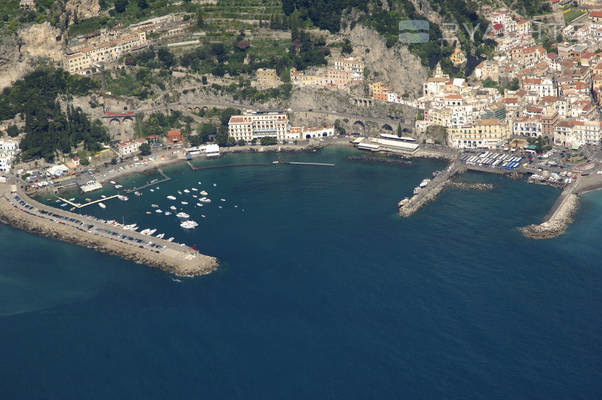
<point x="525" y="96"/>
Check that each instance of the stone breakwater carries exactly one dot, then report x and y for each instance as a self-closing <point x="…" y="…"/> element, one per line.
<point x="558" y="220"/>
<point x="471" y="186"/>
<point x="178" y="262"/>
<point x="380" y="159"/>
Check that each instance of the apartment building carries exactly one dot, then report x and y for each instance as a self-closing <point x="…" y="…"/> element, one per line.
<point x="83" y="59"/>
<point x="486" y="133"/>
<point x="576" y="133"/>
<point x="8" y="152"/>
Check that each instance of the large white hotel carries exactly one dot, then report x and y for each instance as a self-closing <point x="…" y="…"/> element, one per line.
<point x="255" y="125"/>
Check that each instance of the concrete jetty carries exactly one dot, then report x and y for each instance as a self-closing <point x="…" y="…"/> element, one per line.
<point x="557" y="219"/>
<point x="21" y="211"/>
<point x="407" y="207"/>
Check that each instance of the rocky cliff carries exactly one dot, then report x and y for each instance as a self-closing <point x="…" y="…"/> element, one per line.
<point x="396" y="65"/>
<point x="29" y="43"/>
<point x="82" y="9"/>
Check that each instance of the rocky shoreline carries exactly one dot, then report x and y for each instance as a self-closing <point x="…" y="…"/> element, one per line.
<point x="194" y="266"/>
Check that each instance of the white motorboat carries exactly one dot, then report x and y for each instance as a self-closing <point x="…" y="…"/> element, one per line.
<point x="102" y="205"/>
<point x="189" y="224"/>
<point x="171" y="197"/>
<point x="182" y="215"/>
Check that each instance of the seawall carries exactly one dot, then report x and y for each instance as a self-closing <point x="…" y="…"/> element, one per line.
<point x="22" y="212"/>
<point x="557" y="220"/>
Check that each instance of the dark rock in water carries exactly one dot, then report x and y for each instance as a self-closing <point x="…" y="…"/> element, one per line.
<point x="471" y="186"/>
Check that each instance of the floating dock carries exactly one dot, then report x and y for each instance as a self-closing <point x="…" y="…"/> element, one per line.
<point x="151" y="183"/>
<point x="77" y="205"/>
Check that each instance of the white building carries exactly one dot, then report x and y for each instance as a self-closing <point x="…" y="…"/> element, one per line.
<point x="576" y="133"/>
<point x="530" y="127"/>
<point x="8" y="151"/>
<point x="319" y="132"/>
<point x="130" y="147"/>
<point x="256" y="125"/>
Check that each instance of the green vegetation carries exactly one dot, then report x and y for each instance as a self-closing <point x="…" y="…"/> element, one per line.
<point x="204" y="131"/>
<point x="12" y="131"/>
<point x="145" y="149"/>
<point x="49" y="129"/>
<point x="571" y="14"/>
<point x="152" y="58"/>
<point x="513" y="85"/>
<point x="12" y="17"/>
<point x="239" y="56"/>
<point x="139" y="83"/>
<point x="385" y="20"/>
<point x="323" y="13"/>
<point x="529" y="7"/>
<point x="268" y="141"/>
<point x="159" y="123"/>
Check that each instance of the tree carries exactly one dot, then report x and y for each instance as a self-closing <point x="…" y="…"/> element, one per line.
<point x="199" y="20"/>
<point x="195" y="140"/>
<point x="12" y="131"/>
<point x="113" y="161"/>
<point x="347" y="48"/>
<point x="268" y="141"/>
<point x="205" y="130"/>
<point x="121" y="5"/>
<point x="84" y="161"/>
<point x="142" y="4"/>
<point x="204" y="80"/>
<point x="166" y="57"/>
<point x="242" y="142"/>
<point x="145" y="149"/>
<point x="399" y="131"/>
<point x="222" y="138"/>
<point x="513" y="84"/>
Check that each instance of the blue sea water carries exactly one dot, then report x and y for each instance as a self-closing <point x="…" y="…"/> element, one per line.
<point x="323" y="292"/>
